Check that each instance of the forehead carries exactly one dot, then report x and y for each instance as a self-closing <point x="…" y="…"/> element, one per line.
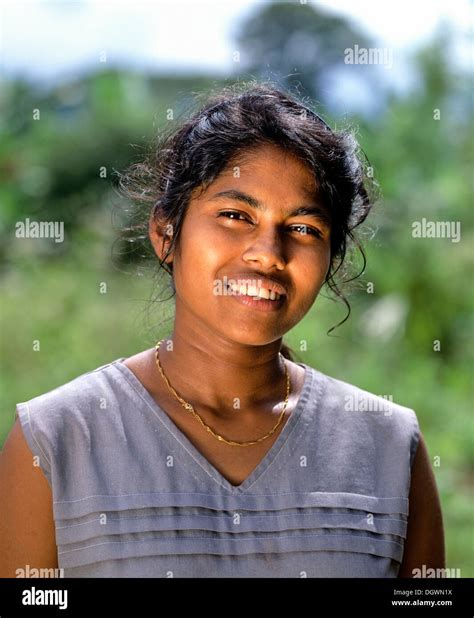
<point x="266" y="171"/>
<point x="272" y="162"/>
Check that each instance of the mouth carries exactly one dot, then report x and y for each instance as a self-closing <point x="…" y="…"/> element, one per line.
<point x="257" y="294"/>
<point x="256" y="287"/>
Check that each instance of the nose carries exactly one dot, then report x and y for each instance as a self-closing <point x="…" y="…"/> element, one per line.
<point x="267" y="249"/>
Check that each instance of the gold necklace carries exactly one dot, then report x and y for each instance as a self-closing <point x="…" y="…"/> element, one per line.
<point x="189" y="407"/>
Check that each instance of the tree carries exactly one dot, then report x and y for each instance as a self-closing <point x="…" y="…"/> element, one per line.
<point x="300" y="42"/>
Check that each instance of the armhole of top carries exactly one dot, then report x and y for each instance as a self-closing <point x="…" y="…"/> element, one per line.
<point x="22" y="413"/>
<point x="414" y="439"/>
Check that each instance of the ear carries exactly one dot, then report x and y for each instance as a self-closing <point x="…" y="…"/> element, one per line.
<point x="160" y="234"/>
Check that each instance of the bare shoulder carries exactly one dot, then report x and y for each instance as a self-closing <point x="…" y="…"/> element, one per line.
<point x="142" y="365"/>
<point x="424" y="544"/>
<point x="27" y="532"/>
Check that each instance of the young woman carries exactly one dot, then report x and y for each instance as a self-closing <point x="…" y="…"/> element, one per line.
<point x="214" y="454"/>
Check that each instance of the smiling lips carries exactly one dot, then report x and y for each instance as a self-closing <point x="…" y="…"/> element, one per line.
<point x="255" y="287"/>
<point x="254" y="291"/>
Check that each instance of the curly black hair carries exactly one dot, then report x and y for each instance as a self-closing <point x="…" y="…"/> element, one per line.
<point x="233" y="120"/>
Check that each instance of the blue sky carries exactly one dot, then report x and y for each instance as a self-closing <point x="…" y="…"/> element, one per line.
<point x="47" y="40"/>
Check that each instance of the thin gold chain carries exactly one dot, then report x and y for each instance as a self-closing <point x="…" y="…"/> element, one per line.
<point x="189" y="407"/>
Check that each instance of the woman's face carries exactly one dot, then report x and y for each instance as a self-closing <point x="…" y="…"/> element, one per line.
<point x="216" y="247"/>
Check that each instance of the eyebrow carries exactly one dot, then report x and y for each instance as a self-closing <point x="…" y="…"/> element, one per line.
<point x="311" y="209"/>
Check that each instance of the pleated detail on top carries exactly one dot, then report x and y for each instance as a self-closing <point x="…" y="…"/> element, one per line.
<point x="155" y="524"/>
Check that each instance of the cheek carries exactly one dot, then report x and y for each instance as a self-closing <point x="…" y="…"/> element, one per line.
<point x="202" y="255"/>
<point x="311" y="271"/>
<point x="324" y="260"/>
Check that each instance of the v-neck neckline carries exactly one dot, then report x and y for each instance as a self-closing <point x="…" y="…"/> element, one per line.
<point x="192" y="450"/>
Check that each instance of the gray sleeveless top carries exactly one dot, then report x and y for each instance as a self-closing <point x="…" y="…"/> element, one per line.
<point x="132" y="496"/>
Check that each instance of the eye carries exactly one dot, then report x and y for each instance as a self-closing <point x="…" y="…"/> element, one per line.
<point x="225" y="213"/>
<point x="306" y="229"/>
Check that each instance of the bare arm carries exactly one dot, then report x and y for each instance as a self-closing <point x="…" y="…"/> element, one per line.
<point x="424" y="544"/>
<point x="27" y="533"/>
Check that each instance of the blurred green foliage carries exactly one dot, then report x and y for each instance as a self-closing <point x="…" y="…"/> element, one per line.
<point x="421" y="292"/>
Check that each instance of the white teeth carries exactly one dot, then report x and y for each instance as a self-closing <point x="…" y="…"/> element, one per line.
<point x="252" y="290"/>
<point x="264" y="293"/>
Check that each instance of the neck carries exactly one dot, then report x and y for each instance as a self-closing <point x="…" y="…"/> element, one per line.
<point x="222" y="376"/>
